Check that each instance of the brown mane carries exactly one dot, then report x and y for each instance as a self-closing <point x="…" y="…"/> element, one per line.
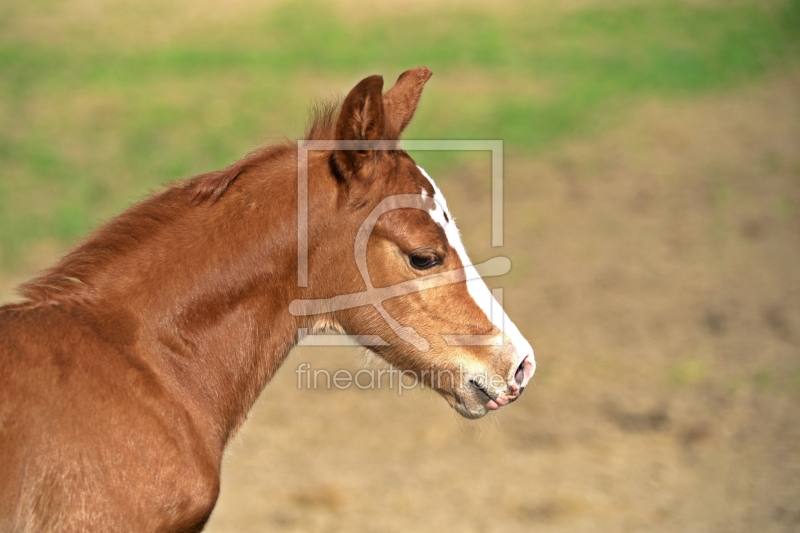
<point x="71" y="277"/>
<point x="321" y="126"/>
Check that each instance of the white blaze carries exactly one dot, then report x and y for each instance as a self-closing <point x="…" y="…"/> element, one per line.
<point x="475" y="285"/>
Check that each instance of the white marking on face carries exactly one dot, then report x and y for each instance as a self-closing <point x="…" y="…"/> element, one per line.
<point x="475" y="285"/>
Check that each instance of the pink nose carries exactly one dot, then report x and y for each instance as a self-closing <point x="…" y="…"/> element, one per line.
<point x="524" y="371"/>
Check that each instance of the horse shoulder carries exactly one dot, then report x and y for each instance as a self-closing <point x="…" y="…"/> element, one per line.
<point x="87" y="423"/>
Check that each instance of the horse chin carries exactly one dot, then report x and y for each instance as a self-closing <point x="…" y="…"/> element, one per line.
<point x="471" y="413"/>
<point x="467" y="407"/>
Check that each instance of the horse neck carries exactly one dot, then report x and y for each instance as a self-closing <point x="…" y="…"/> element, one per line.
<point x="210" y="295"/>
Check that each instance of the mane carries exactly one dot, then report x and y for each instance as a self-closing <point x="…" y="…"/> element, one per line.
<point x="321" y="125"/>
<point x="322" y="119"/>
<point x="72" y="275"/>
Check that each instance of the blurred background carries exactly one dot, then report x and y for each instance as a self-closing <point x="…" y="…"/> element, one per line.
<point x="652" y="215"/>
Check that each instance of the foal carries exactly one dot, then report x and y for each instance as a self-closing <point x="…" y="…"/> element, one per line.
<point x="133" y="361"/>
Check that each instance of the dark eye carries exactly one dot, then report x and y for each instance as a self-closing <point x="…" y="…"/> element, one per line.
<point x="424" y="261"/>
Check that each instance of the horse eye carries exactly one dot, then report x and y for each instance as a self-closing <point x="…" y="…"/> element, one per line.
<point x="424" y="261"/>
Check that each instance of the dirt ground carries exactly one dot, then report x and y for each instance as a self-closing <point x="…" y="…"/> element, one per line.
<point x="656" y="272"/>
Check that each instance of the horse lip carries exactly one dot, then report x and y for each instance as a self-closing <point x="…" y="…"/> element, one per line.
<point x="483" y="391"/>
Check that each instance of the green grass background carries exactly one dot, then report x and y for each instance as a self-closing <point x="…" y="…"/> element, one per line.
<point x="97" y="109"/>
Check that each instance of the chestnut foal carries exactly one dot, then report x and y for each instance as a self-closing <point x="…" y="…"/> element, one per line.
<point x="133" y="361"/>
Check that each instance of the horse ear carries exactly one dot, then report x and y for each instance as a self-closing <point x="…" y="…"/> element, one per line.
<point x="401" y="100"/>
<point x="361" y="119"/>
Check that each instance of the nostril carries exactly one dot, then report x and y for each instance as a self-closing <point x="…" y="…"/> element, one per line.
<point x="519" y="375"/>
